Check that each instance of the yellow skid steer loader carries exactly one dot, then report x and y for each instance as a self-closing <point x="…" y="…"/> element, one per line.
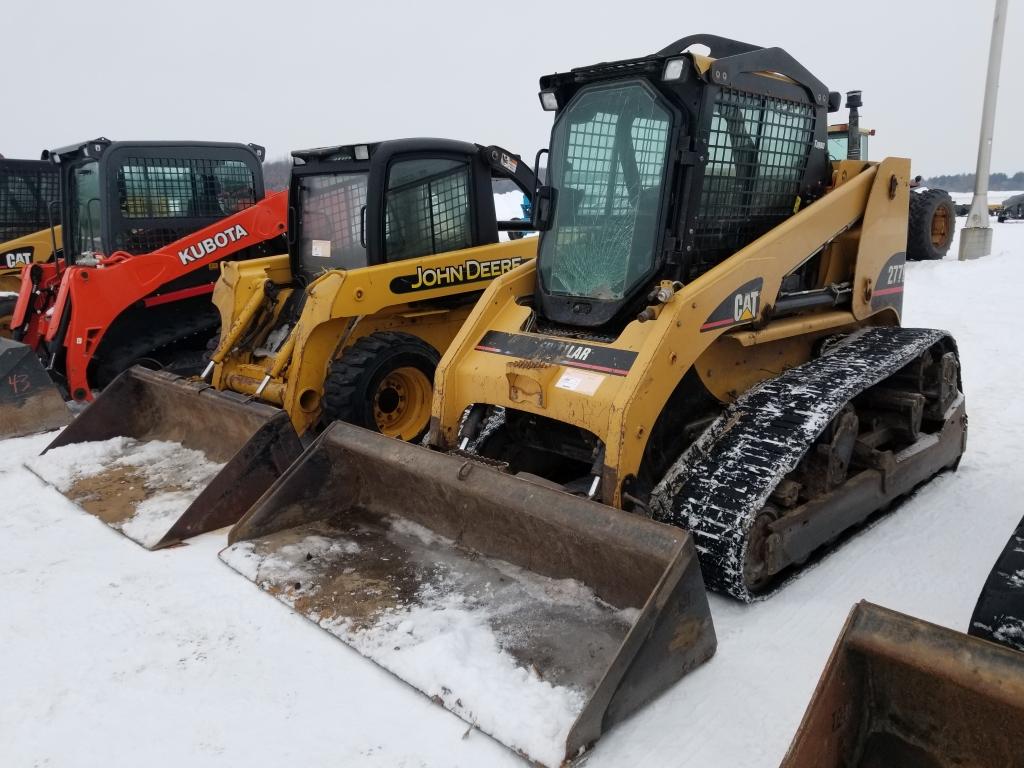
<point x="29" y="204"/>
<point x="709" y="336"/>
<point x="390" y="245"/>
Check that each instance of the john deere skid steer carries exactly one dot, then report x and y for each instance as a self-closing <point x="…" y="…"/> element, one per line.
<point x="390" y="245"/>
<point x="710" y="336"/>
<point x="29" y="203"/>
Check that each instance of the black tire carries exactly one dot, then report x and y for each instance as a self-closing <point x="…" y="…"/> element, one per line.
<point x="7" y="304"/>
<point x="931" y="226"/>
<point x="357" y="387"/>
<point x="211" y="347"/>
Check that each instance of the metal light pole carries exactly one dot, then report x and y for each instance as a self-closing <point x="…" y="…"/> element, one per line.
<point x="976" y="237"/>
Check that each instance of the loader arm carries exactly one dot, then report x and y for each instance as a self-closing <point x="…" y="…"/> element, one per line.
<point x="37" y="290"/>
<point x="341" y="306"/>
<point x="626" y="383"/>
<point x="93" y="297"/>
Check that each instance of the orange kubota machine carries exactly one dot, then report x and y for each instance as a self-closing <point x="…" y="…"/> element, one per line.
<point x="146" y="225"/>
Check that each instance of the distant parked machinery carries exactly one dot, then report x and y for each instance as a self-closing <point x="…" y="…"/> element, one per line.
<point x="933" y="215"/>
<point x="1012" y="209"/>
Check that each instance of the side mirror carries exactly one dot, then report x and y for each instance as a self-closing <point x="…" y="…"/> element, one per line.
<point x="544" y="203"/>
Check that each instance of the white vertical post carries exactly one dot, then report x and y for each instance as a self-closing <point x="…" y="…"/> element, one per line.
<point x="976" y="237"/>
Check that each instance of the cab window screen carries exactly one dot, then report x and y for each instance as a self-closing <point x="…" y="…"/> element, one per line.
<point x="26" y="190"/>
<point x="154" y="188"/>
<point x="427" y="208"/>
<point x="608" y="154"/>
<point x="757" y="158"/>
<point x="164" y="189"/>
<point x="331" y="226"/>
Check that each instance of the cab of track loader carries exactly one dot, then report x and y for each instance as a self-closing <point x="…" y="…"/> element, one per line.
<point x="139" y="196"/>
<point x="663" y="166"/>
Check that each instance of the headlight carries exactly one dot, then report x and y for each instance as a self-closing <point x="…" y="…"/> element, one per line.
<point x="673" y="69"/>
<point x="548" y="100"/>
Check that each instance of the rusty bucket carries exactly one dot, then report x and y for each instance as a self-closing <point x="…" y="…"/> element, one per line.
<point x="490" y="593"/>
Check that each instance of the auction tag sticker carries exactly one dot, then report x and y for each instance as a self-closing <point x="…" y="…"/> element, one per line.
<point x="583" y="382"/>
<point x="321" y="249"/>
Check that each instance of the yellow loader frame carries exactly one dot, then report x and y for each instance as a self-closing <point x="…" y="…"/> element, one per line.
<point x="861" y="221"/>
<point x="341" y="307"/>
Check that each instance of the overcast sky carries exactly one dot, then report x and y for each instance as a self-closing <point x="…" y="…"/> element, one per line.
<point x="293" y="74"/>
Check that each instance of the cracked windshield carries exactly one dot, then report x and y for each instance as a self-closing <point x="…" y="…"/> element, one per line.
<point x="608" y="164"/>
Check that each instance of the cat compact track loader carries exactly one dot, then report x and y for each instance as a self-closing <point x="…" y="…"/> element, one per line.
<point x="709" y="336"/>
<point x="29" y="203"/>
<point x="146" y="225"/>
<point x="390" y="246"/>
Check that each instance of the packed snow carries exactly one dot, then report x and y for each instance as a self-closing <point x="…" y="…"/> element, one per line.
<point x="114" y="655"/>
<point x="154" y="481"/>
<point x="456" y="635"/>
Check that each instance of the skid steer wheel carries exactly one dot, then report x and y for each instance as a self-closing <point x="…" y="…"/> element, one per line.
<point x="930" y="229"/>
<point x="6" y="311"/>
<point x="384" y="382"/>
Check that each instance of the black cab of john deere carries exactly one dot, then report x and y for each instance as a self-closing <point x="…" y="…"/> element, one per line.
<point x="29" y="198"/>
<point x="663" y="166"/>
<point x="429" y="196"/>
<point x="140" y="196"/>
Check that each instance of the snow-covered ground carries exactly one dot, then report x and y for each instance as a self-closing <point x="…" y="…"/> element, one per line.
<point x="113" y="655"/>
<point x="993" y="197"/>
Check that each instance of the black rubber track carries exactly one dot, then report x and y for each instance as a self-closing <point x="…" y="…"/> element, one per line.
<point x="721" y="483"/>
<point x="153" y="342"/>
<point x="999" y="614"/>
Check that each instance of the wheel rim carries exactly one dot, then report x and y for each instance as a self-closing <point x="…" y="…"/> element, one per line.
<point x="401" y="404"/>
<point x="940" y="226"/>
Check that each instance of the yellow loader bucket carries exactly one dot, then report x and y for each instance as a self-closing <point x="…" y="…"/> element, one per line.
<point x="162" y="458"/>
<point x="900" y="692"/>
<point x="29" y="400"/>
<point x="539" y="617"/>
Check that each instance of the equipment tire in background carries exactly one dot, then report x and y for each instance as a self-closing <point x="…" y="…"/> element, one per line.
<point x="932" y="221"/>
<point x="384" y="382"/>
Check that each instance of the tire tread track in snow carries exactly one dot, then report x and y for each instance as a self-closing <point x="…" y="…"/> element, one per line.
<point x="720" y="483"/>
